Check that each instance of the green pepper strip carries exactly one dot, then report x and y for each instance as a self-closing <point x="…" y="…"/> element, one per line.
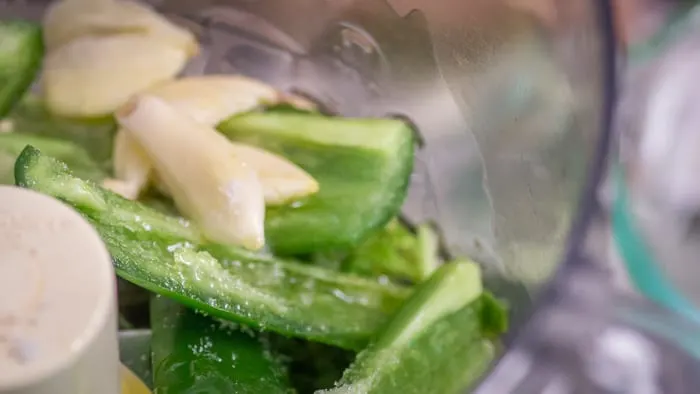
<point x="363" y="168"/>
<point x="193" y="353"/>
<point x="164" y="254"/>
<point x="396" y="251"/>
<point x="435" y="344"/>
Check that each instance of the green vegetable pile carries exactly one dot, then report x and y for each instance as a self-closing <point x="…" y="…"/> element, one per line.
<point x="346" y="298"/>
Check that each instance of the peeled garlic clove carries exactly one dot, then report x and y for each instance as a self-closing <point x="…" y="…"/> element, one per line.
<point x="65" y="21"/>
<point x="282" y="180"/>
<point x="93" y="76"/>
<point x="208" y="99"/>
<point x="211" y="99"/>
<point x="208" y="184"/>
<point x="131" y="163"/>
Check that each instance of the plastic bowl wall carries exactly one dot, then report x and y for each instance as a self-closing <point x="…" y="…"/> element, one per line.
<point x="507" y="95"/>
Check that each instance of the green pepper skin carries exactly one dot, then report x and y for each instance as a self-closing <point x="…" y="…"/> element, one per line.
<point x="363" y="168"/>
<point x="77" y="159"/>
<point x="195" y="354"/>
<point x="162" y="254"/>
<point x="434" y="344"/>
<point x="21" y="52"/>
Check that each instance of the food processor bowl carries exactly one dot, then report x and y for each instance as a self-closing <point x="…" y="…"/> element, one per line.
<point x="509" y="99"/>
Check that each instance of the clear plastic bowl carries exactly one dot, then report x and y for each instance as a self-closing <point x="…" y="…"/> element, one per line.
<point x="511" y="99"/>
